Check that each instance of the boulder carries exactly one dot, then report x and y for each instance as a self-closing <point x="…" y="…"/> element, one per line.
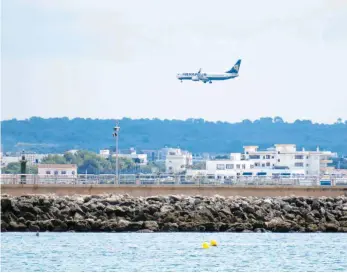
<point x="278" y="225"/>
<point x="29" y="216"/>
<point x="6" y="204"/>
<point x="151" y="225"/>
<point x="122" y="225"/>
<point x="332" y="227"/>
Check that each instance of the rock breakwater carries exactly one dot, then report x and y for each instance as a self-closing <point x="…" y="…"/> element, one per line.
<point x="113" y="213"/>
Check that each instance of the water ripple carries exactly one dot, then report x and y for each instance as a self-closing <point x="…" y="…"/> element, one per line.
<point x="173" y="252"/>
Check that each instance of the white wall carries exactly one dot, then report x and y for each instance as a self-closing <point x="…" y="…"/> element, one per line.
<point x="57" y="171"/>
<point x="175" y="163"/>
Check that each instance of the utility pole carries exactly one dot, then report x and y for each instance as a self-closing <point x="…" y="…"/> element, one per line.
<point x="115" y="135"/>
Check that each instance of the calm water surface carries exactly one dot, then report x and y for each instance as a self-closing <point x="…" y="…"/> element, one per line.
<point x="173" y="252"/>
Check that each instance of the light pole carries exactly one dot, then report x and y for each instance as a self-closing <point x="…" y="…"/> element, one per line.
<point x="115" y="135"/>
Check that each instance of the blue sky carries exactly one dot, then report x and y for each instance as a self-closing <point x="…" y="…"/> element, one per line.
<point x="113" y="59"/>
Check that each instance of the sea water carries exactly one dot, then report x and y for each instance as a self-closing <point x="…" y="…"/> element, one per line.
<point x="173" y="252"/>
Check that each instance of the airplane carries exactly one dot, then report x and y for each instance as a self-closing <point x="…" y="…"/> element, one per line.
<point x="209" y="77"/>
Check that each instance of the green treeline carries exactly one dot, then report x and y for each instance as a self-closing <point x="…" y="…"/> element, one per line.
<point x="57" y="135"/>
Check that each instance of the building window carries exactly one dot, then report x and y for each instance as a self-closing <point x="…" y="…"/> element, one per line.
<point x="254" y="157"/>
<point x="268" y="164"/>
<point x="263" y="165"/>
<point x="273" y="156"/>
<point x="279" y="160"/>
<point x="238" y="166"/>
<point x="299" y="157"/>
<point x="243" y="166"/>
<point x="63" y="172"/>
<point x="48" y="172"/>
<point x="252" y="166"/>
<point x="73" y="172"/>
<point x="230" y="166"/>
<point x="256" y="164"/>
<point x="299" y="164"/>
<point x="307" y="165"/>
<point x="56" y="172"/>
<point x="268" y="156"/>
<point x="220" y="167"/>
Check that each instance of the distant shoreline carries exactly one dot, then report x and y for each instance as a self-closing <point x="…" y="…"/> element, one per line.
<point x="122" y="213"/>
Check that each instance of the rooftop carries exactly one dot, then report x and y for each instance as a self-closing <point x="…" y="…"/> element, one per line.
<point x="60" y="166"/>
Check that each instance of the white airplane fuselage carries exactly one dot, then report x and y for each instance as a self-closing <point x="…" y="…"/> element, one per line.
<point x="206" y="77"/>
<point x="209" y="77"/>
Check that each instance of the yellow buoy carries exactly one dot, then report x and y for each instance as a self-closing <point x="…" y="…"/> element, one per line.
<point x="213" y="243"/>
<point x="205" y="245"/>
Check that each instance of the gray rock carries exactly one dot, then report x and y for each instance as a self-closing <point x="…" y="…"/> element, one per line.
<point x="145" y="231"/>
<point x="173" y="213"/>
<point x="170" y="227"/>
<point x="151" y="225"/>
<point x="332" y="227"/>
<point x="166" y="208"/>
<point x="29" y="216"/>
<point x="278" y="225"/>
<point x="6" y="204"/>
<point x="122" y="225"/>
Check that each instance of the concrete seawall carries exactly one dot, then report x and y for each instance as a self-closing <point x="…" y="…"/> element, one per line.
<point x="191" y="190"/>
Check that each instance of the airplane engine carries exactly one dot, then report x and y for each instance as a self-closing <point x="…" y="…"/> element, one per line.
<point x="195" y="78"/>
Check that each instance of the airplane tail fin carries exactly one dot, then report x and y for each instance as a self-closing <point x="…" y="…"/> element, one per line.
<point x="235" y="68"/>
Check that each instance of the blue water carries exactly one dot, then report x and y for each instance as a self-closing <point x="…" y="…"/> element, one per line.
<point x="173" y="252"/>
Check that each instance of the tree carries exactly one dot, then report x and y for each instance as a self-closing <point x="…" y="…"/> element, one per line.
<point x="11" y="168"/>
<point x="278" y="120"/>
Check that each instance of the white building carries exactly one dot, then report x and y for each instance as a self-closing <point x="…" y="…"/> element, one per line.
<point x="32" y="159"/>
<point x="229" y="167"/>
<point x="200" y="157"/>
<point x="177" y="161"/>
<point x="283" y="160"/>
<point x="152" y="155"/>
<point x="140" y="159"/>
<point x="57" y="169"/>
<point x="104" y="153"/>
<point x="286" y="156"/>
<point x="5" y="160"/>
<point x="74" y="151"/>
